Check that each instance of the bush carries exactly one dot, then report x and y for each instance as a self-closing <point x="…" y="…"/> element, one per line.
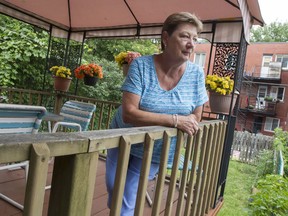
<point x="271" y="198"/>
<point x="265" y="163"/>
<point x="281" y="143"/>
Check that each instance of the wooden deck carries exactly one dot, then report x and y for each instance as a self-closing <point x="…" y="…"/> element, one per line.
<point x="12" y="183"/>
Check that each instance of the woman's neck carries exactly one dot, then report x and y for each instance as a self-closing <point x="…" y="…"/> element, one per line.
<point x="168" y="72"/>
<point x="169" y="66"/>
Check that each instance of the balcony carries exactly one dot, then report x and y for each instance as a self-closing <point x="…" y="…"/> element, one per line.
<point x="272" y="73"/>
<point x="267" y="108"/>
<point x="77" y="164"/>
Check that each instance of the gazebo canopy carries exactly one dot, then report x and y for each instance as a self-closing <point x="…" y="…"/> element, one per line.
<point x="132" y="18"/>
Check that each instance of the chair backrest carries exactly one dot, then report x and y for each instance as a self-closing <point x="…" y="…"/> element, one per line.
<point x="181" y="164"/>
<point x="20" y="118"/>
<point x="78" y="112"/>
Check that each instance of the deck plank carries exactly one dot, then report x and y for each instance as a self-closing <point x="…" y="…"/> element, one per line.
<point x="12" y="183"/>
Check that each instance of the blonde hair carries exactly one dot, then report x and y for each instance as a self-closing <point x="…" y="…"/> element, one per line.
<point x="174" y="20"/>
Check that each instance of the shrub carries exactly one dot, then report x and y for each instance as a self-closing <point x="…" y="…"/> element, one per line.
<point x="271" y="198"/>
<point x="265" y="163"/>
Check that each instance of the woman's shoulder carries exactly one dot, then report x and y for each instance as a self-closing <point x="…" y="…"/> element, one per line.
<point x="192" y="67"/>
<point x="144" y="59"/>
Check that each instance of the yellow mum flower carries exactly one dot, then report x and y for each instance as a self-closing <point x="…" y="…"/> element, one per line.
<point x="221" y="85"/>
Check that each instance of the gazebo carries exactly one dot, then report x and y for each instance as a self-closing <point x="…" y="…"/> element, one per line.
<point x="227" y="25"/>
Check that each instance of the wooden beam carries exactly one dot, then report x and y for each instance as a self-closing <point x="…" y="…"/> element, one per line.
<point x="35" y="189"/>
<point x="73" y="185"/>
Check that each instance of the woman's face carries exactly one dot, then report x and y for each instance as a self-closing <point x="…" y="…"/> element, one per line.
<point x="180" y="44"/>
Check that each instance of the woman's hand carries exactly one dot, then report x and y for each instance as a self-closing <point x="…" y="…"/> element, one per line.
<point x="188" y="124"/>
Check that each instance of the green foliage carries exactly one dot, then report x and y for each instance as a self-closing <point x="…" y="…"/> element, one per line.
<point x="274" y="32"/>
<point x="107" y="88"/>
<point x="265" y="163"/>
<point x="272" y="197"/>
<point x="23" y="51"/>
<point x="107" y="49"/>
<point x="281" y="143"/>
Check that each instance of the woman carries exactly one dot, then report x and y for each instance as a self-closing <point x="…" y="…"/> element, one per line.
<point x="166" y="89"/>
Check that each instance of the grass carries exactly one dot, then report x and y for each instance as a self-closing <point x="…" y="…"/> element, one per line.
<point x="240" y="180"/>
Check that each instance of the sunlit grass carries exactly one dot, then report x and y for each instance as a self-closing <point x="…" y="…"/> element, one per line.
<point x="240" y="180"/>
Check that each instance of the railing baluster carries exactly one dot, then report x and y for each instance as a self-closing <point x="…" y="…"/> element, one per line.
<point x="161" y="174"/>
<point x="145" y="169"/>
<point x="109" y="116"/>
<point x="182" y="191"/>
<point x="204" y="173"/>
<point x="121" y="173"/>
<point x="222" y="132"/>
<point x="21" y="97"/>
<point x="190" y="191"/>
<point x="213" y="168"/>
<point x="200" y="172"/>
<point x="100" y="116"/>
<point x="173" y="179"/>
<point x="208" y="165"/>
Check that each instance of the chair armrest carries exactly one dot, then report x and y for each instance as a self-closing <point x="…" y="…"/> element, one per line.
<point x="66" y="124"/>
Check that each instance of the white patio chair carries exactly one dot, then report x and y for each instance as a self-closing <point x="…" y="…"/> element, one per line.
<point x="77" y="115"/>
<point x="22" y="119"/>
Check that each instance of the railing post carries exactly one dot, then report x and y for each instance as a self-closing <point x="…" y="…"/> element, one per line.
<point x="58" y="102"/>
<point x="35" y="189"/>
<point x="73" y="185"/>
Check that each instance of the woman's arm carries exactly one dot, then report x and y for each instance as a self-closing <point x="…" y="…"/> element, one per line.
<point x="133" y="115"/>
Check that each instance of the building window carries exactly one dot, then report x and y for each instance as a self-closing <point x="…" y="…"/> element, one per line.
<point x="266" y="60"/>
<point x="271" y="124"/>
<point x="284" y="61"/>
<point x="199" y="59"/>
<point x="277" y="92"/>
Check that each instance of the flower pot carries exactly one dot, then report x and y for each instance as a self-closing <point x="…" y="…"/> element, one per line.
<point x="90" y="81"/>
<point x="62" y="84"/>
<point x="221" y="103"/>
<point x="125" y="68"/>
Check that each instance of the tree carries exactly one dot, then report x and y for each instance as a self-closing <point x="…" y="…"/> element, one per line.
<point x="23" y="51"/>
<point x="274" y="32"/>
<point x="104" y="48"/>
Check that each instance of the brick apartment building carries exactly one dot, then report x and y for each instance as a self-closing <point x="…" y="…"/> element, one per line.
<point x="263" y="103"/>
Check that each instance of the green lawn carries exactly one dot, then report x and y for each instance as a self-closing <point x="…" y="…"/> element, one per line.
<point x="240" y="179"/>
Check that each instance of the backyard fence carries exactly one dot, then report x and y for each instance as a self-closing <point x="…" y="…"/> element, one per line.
<point x="246" y="146"/>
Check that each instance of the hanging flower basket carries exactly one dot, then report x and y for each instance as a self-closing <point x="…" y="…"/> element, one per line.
<point x="125" y="68"/>
<point x="90" y="73"/>
<point x="90" y="81"/>
<point x="221" y="103"/>
<point x="62" y="84"/>
<point x="124" y="59"/>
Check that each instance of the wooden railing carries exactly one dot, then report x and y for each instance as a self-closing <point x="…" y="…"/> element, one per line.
<point x="53" y="102"/>
<point x="76" y="156"/>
